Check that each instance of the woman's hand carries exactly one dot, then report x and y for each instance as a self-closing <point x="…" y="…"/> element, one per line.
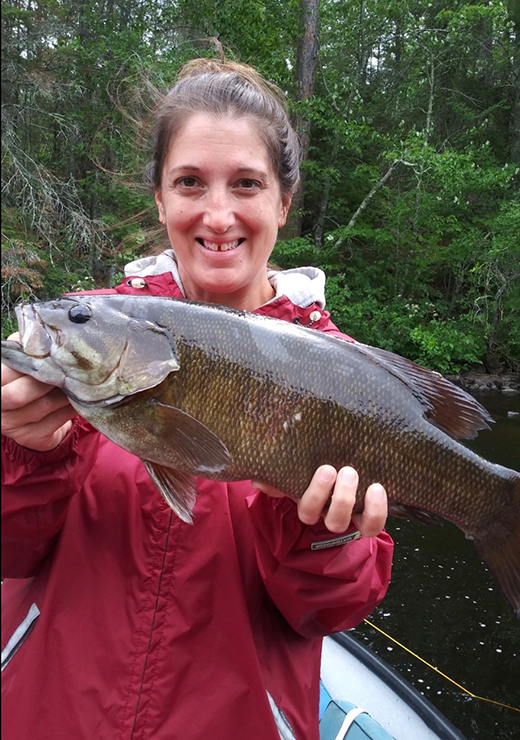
<point x="340" y="488"/>
<point x="34" y="414"/>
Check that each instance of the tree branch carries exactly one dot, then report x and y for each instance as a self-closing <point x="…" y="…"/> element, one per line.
<point x="366" y="201"/>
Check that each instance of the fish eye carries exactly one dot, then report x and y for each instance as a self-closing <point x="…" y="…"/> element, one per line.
<point x="80" y="314"/>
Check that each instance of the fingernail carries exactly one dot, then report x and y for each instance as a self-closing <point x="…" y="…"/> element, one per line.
<point x="326" y="475"/>
<point x="348" y="475"/>
<point x="377" y="492"/>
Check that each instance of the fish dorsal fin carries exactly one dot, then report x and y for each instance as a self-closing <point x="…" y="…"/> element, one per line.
<point x="446" y="405"/>
<point x="178" y="489"/>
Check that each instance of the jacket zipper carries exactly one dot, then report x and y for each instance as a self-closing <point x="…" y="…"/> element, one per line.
<point x="134" y="726"/>
<point x="20" y="635"/>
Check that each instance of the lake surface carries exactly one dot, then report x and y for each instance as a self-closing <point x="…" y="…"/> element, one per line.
<point x="443" y="605"/>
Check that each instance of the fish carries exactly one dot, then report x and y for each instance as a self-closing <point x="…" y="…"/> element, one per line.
<point x="200" y="390"/>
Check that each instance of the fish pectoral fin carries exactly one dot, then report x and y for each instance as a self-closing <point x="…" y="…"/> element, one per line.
<point x="195" y="444"/>
<point x="178" y="489"/>
<point x="418" y="515"/>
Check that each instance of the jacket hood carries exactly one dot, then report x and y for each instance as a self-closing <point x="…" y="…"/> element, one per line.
<point x="304" y="286"/>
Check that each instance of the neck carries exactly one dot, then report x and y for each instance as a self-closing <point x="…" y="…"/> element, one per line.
<point x="248" y="298"/>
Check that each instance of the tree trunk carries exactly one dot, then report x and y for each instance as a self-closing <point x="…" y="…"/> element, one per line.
<point x="514" y="127"/>
<point x="324" y="202"/>
<point x="306" y="55"/>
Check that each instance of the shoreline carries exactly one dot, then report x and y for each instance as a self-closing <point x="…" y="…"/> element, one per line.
<point x="482" y="382"/>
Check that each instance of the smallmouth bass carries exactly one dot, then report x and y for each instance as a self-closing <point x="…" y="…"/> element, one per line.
<point x="199" y="390"/>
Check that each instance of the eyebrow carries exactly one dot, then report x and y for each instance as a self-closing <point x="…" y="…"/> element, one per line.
<point x="183" y="168"/>
<point x="252" y="171"/>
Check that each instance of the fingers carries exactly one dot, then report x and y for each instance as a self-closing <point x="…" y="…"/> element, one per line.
<point x="18" y="390"/>
<point x="373" y="519"/>
<point x="16" y="413"/>
<point x="339" y="492"/>
<point x="315" y="498"/>
<point x="8" y="374"/>
<point x="34" y="414"/>
<point x="266" y="488"/>
<point x="332" y="495"/>
<point x="337" y="517"/>
<point x="47" y="434"/>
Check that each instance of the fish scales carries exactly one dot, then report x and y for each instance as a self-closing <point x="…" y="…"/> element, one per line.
<point x="198" y="390"/>
<point x="267" y="443"/>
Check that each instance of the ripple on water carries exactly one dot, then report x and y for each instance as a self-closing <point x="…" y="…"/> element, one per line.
<point x="443" y="605"/>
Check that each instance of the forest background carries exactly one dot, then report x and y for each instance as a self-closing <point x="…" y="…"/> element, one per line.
<point x="409" y="116"/>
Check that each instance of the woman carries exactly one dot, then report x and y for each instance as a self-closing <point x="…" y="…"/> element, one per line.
<point x="120" y="620"/>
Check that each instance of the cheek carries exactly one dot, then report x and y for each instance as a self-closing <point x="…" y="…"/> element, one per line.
<point x="262" y="218"/>
<point x="179" y="218"/>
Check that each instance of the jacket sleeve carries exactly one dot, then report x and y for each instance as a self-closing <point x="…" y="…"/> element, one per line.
<point x="36" y="490"/>
<point x="318" y="591"/>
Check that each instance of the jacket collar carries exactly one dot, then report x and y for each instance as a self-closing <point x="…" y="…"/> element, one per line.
<point x="303" y="286"/>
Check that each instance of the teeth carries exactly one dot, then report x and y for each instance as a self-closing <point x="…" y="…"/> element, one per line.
<point x="220" y="247"/>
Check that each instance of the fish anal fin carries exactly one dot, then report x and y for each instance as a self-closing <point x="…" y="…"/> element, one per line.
<point x="196" y="445"/>
<point x="177" y="488"/>
<point x="417" y="515"/>
<point x="446" y="405"/>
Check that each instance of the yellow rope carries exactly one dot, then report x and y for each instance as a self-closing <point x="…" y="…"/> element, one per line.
<point x="474" y="696"/>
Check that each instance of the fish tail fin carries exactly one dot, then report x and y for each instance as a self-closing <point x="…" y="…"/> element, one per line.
<point x="501" y="553"/>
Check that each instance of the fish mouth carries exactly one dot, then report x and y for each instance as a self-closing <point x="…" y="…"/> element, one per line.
<point x="220" y="247"/>
<point x="34" y="336"/>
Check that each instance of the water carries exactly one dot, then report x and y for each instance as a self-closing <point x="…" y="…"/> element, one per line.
<point x="443" y="605"/>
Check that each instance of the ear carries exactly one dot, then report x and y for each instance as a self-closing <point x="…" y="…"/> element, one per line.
<point x="284" y="210"/>
<point x="160" y="207"/>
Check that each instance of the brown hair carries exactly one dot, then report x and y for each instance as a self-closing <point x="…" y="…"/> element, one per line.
<point x="225" y="88"/>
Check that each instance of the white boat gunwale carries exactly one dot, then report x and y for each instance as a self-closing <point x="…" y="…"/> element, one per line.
<point x="418" y="704"/>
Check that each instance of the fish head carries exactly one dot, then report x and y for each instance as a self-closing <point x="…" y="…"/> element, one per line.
<point x="91" y="347"/>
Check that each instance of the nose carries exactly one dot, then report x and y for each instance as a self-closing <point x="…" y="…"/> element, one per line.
<point x="219" y="214"/>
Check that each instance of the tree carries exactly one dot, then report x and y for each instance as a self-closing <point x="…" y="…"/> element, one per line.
<point x="305" y="74"/>
<point x="409" y="117"/>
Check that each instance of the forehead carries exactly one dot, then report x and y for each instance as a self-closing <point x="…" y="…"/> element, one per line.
<point x="229" y="135"/>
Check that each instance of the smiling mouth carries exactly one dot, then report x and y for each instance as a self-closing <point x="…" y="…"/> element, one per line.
<point x="226" y="247"/>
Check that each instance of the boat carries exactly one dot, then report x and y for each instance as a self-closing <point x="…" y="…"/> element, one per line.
<point x="363" y="698"/>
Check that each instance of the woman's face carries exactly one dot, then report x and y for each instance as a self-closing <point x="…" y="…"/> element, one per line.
<point x="222" y="207"/>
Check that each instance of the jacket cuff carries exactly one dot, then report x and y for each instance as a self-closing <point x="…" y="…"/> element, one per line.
<point x="291" y="533"/>
<point x="32" y="459"/>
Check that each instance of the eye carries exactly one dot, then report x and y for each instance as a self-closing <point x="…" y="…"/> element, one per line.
<point x="80" y="314"/>
<point x="187" y="182"/>
<point x="248" y="184"/>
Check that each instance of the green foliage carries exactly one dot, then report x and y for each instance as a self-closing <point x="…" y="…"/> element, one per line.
<point x="412" y="183"/>
<point x="295" y="252"/>
<point x="449" y="346"/>
<point x="414" y="330"/>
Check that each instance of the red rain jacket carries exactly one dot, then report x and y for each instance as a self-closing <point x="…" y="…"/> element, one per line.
<point x="120" y="621"/>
